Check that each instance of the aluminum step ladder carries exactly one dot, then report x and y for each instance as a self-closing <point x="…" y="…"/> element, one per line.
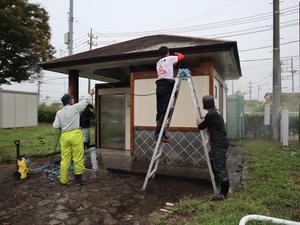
<point x="183" y="74"/>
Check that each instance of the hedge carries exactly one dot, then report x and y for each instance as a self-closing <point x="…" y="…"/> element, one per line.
<point x="255" y="128"/>
<point x="46" y="113"/>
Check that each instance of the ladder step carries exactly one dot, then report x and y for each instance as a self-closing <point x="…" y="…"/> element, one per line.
<point x="158" y="156"/>
<point x="153" y="172"/>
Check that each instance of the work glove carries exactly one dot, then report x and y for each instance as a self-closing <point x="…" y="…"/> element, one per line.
<point x="180" y="56"/>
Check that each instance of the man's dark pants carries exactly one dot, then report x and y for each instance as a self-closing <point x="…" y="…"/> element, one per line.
<point x="164" y="88"/>
<point x="218" y="162"/>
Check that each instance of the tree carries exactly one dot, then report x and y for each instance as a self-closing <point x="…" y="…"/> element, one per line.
<point x="240" y="93"/>
<point x="24" y="40"/>
<point x="254" y="106"/>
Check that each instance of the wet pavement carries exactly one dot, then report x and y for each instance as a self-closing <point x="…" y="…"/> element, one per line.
<point x="107" y="198"/>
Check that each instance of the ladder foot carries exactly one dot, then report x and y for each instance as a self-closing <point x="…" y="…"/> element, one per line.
<point x="142" y="190"/>
<point x="152" y="177"/>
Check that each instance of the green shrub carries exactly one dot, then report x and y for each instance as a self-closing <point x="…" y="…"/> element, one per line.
<point x="46" y="113"/>
<point x="255" y="128"/>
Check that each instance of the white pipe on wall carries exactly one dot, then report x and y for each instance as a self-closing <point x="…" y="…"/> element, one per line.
<point x="248" y="218"/>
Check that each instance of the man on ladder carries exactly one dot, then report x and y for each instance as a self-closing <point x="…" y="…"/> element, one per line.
<point x="214" y="123"/>
<point x="167" y="93"/>
<point x="164" y="86"/>
<point x="183" y="74"/>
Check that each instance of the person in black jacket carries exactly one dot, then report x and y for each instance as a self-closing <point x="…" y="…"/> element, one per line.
<point x="85" y="124"/>
<point x="214" y="123"/>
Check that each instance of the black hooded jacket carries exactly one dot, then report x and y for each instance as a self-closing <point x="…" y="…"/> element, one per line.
<point x="85" y="118"/>
<point x="214" y="122"/>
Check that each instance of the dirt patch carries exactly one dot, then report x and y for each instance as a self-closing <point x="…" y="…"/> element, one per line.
<point x="106" y="199"/>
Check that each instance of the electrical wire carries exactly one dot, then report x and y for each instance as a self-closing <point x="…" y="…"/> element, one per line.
<point x="226" y="23"/>
<point x="79" y="45"/>
<point x="129" y="93"/>
<point x="264" y="59"/>
<point x="255" y="32"/>
<point x="212" y="12"/>
<point x="268" y="46"/>
<point x="245" y="50"/>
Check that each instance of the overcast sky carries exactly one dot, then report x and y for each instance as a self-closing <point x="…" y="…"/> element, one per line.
<point x="111" y="19"/>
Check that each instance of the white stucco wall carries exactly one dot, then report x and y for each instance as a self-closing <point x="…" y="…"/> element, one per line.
<point x="184" y="114"/>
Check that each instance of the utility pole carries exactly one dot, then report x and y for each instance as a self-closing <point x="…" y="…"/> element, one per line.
<point x="276" y="71"/>
<point x="70" y="34"/>
<point x="91" y="44"/>
<point x="39" y="82"/>
<point x="292" y="72"/>
<point x="232" y="87"/>
<point x="299" y="76"/>
<point x="250" y="90"/>
<point x="258" y="90"/>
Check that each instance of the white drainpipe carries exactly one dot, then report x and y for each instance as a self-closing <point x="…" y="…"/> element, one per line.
<point x="248" y="218"/>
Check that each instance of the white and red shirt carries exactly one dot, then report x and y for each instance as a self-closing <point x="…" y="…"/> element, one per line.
<point x="165" y="67"/>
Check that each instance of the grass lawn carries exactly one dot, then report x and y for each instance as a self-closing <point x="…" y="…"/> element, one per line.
<point x="34" y="141"/>
<point x="272" y="188"/>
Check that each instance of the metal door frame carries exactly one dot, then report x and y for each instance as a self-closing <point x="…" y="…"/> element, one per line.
<point x="98" y="87"/>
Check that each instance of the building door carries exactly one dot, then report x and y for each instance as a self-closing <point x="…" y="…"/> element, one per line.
<point x="112" y="121"/>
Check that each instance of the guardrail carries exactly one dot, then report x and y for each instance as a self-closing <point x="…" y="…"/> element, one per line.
<point x="248" y="218"/>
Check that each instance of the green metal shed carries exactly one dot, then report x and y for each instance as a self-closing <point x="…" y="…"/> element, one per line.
<point x="235" y="117"/>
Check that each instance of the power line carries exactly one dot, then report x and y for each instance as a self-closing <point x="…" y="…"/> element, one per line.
<point x="255" y="32"/>
<point x="218" y="24"/>
<point x="83" y="47"/>
<point x="268" y="46"/>
<point x="245" y="50"/>
<point x="80" y="44"/>
<point x="265" y="80"/>
<point x="252" y="32"/>
<point x="213" y="11"/>
<point x="83" y="24"/>
<point x="254" y="28"/>
<point x="226" y="23"/>
<point x="264" y="59"/>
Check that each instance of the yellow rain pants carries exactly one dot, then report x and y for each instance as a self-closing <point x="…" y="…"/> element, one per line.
<point x="71" y="145"/>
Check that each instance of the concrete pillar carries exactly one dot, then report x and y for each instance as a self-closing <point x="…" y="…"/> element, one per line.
<point x="284" y="128"/>
<point x="74" y="84"/>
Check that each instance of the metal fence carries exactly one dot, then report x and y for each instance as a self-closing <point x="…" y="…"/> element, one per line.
<point x="185" y="148"/>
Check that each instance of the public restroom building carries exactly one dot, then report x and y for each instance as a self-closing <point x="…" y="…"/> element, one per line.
<point x="126" y="105"/>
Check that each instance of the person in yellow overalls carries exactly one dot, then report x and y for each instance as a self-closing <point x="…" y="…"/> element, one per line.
<point x="71" y="139"/>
